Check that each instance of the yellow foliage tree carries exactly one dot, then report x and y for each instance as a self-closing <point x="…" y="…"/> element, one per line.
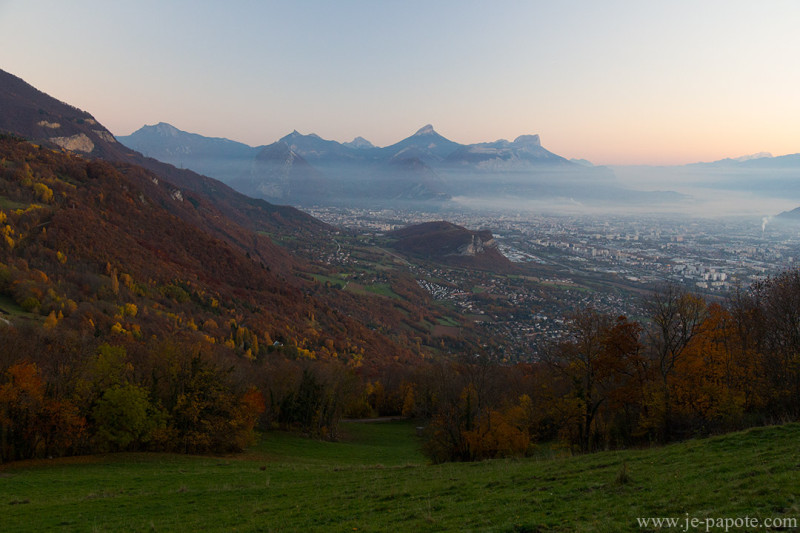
<point x="43" y="192"/>
<point x="51" y="321"/>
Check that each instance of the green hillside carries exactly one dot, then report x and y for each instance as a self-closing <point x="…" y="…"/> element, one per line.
<point x="375" y="479"/>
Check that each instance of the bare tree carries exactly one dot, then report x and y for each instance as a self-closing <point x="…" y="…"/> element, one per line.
<point x="595" y="358"/>
<point x="770" y="314"/>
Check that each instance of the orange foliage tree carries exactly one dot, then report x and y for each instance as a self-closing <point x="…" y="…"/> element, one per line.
<point x="31" y="425"/>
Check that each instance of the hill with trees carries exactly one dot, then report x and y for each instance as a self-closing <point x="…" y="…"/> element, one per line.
<point x="112" y="294"/>
<point x="451" y="244"/>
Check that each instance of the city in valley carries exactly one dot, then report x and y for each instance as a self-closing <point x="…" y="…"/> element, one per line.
<point x="568" y="262"/>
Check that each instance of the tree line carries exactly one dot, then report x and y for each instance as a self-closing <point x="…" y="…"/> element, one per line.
<point x="689" y="368"/>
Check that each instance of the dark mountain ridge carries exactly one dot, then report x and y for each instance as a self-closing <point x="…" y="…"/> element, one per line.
<point x="36" y="116"/>
<point x="218" y="157"/>
<point x="792" y="215"/>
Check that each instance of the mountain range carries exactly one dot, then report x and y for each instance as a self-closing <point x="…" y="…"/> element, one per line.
<point x="422" y="169"/>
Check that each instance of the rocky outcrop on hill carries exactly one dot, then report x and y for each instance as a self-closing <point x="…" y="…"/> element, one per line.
<point x="448" y="243"/>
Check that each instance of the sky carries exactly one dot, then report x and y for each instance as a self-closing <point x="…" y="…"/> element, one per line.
<point x="614" y="82"/>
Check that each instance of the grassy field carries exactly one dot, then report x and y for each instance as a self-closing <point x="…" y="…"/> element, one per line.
<point x="448" y="321"/>
<point x="375" y="479"/>
<point x="8" y="305"/>
<point x="381" y="289"/>
<point x="9" y="205"/>
<point x="336" y="281"/>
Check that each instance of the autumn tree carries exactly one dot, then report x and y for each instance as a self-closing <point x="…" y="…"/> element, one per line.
<point x="21" y="402"/>
<point x="768" y="323"/>
<point x="597" y="358"/>
<point x="446" y="434"/>
<point x="473" y="417"/>
<point x="674" y="318"/>
<point x="206" y="409"/>
<point x="32" y="424"/>
<point x="124" y="418"/>
<point x="713" y="383"/>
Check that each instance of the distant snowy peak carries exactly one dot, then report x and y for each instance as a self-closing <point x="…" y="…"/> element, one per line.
<point x="524" y="152"/>
<point x="360" y="143"/>
<point x="426" y="144"/>
<point x="759" y="155"/>
<point x="528" y="140"/>
<point x="297" y="135"/>
<point x="213" y="156"/>
<point x="760" y="159"/>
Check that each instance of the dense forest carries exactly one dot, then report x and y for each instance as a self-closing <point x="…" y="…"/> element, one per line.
<point x="128" y="325"/>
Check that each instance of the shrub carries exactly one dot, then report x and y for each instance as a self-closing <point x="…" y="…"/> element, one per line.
<point x="124" y="418"/>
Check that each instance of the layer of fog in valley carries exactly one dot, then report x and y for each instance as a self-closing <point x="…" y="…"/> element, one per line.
<point x="755" y="188"/>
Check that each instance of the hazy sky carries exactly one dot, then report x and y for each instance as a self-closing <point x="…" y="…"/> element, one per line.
<point x="614" y="82"/>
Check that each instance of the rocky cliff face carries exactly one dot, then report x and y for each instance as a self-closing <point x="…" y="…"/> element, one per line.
<point x="477" y="245"/>
<point x="75" y="143"/>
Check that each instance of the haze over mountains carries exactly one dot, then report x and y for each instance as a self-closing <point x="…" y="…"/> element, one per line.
<point x="422" y="169"/>
<point x="759" y="183"/>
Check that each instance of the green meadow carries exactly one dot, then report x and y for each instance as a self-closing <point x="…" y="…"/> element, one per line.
<point x="375" y="479"/>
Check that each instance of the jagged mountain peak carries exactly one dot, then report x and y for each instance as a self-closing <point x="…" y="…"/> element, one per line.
<point x="280" y="152"/>
<point x="426" y="144"/>
<point x="426" y="130"/>
<point x="297" y="135"/>
<point x="360" y="143"/>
